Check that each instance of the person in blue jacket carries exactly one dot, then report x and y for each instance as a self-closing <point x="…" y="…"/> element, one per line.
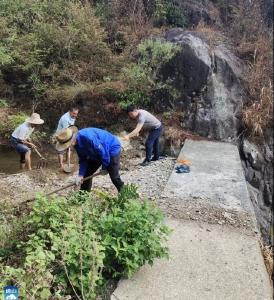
<point x="95" y="147"/>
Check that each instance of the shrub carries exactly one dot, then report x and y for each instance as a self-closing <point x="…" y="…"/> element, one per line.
<point x="131" y="234"/>
<point x="168" y="13"/>
<point x="74" y="245"/>
<point x="44" y="43"/>
<point x="143" y="78"/>
<point x="3" y="103"/>
<point x="8" y="126"/>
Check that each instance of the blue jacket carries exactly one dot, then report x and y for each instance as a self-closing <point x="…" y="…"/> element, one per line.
<point x="95" y="144"/>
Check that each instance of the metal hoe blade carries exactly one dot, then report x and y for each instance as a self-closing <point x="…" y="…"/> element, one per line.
<point x="68" y="168"/>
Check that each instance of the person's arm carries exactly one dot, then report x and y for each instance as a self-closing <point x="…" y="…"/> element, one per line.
<point x="28" y="143"/>
<point x="134" y="132"/>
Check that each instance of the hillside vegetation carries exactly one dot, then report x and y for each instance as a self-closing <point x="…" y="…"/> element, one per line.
<point x="51" y="51"/>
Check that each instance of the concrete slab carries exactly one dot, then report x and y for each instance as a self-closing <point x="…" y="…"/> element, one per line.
<point x="206" y="262"/>
<point x="216" y="177"/>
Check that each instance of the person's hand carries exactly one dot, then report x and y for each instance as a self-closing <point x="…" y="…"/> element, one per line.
<point x="78" y="180"/>
<point x="103" y="172"/>
<point x="30" y="144"/>
<point x="125" y="138"/>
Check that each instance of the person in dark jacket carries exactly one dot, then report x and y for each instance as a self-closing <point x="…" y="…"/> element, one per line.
<point x="95" y="148"/>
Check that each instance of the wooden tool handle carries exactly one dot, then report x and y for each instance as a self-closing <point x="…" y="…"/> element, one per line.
<point x="62" y="188"/>
<point x="69" y="153"/>
<point x="38" y="153"/>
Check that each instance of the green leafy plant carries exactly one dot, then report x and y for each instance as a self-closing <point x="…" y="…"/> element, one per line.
<point x="74" y="245"/>
<point x="167" y="13"/>
<point x="48" y="43"/>
<point x="142" y="78"/>
<point x="7" y="126"/>
<point x="3" y="103"/>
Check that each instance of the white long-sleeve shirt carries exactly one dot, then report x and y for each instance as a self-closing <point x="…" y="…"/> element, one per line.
<point x="23" y="131"/>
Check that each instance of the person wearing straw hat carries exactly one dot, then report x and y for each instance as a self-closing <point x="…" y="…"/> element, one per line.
<point x="20" y="139"/>
<point x="95" y="148"/>
<point x="67" y="120"/>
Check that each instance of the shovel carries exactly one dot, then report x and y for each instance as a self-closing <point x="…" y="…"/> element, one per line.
<point x="67" y="168"/>
<point x="42" y="163"/>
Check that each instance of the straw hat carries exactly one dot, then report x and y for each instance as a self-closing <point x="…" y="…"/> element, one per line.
<point x="65" y="138"/>
<point x="35" y="119"/>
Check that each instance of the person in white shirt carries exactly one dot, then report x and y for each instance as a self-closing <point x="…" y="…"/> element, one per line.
<point x="20" y="139"/>
<point x="67" y="120"/>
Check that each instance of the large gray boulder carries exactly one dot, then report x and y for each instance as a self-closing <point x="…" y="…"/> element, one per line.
<point x="209" y="82"/>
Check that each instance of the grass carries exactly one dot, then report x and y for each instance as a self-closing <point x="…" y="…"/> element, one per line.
<point x="259" y="115"/>
<point x="267" y="252"/>
<point x="69" y="93"/>
<point x="3" y="103"/>
<point x="212" y="35"/>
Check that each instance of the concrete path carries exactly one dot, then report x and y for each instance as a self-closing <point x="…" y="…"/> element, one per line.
<point x="209" y="257"/>
<point x="216" y="176"/>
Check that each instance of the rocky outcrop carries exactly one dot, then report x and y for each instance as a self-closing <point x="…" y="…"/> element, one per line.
<point x="258" y="166"/>
<point x="209" y="82"/>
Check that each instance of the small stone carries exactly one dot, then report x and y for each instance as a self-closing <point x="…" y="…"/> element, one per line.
<point x="227" y="216"/>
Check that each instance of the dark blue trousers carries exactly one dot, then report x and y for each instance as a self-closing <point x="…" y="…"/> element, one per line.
<point x="152" y="143"/>
<point x="113" y="171"/>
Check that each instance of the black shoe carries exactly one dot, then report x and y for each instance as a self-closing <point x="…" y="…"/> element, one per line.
<point x="158" y="158"/>
<point x="145" y="163"/>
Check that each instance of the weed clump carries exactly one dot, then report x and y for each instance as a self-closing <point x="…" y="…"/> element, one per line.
<point x="74" y="245"/>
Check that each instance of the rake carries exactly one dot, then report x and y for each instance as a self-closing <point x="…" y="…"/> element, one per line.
<point x="42" y="163"/>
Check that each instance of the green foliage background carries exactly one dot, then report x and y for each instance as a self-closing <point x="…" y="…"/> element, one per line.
<point x="51" y="47"/>
<point x="143" y="78"/>
<point x="47" y="43"/>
